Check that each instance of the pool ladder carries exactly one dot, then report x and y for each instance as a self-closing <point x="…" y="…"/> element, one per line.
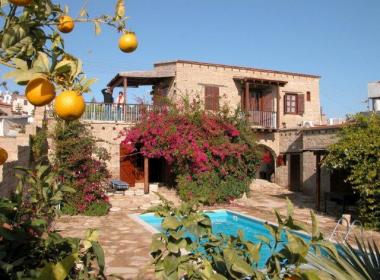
<point x="348" y="229"/>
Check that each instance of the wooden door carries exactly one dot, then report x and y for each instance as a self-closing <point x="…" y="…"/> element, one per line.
<point x="295" y="172"/>
<point x="131" y="167"/>
<point x="266" y="101"/>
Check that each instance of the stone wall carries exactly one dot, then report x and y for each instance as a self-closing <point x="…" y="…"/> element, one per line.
<point x="320" y="137"/>
<point x="19" y="152"/>
<point x="108" y="133"/>
<point x="191" y="79"/>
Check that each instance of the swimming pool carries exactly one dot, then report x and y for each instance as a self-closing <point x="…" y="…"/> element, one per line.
<point x="229" y="222"/>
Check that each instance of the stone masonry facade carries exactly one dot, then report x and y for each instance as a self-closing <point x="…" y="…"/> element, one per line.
<point x="191" y="78"/>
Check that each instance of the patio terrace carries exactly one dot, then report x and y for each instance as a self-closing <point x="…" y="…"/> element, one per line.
<point x="126" y="243"/>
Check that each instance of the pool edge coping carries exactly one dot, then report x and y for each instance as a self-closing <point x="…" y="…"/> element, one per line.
<point x="135" y="217"/>
<point x="148" y="227"/>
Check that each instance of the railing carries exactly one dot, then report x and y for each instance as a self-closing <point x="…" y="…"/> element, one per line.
<point x="263" y="119"/>
<point x="114" y="112"/>
<point x="134" y="112"/>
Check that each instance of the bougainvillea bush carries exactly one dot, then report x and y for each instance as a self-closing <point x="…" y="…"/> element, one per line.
<point x="81" y="165"/>
<point x="212" y="155"/>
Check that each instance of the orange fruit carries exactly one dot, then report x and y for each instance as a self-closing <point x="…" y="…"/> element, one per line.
<point x="40" y="91"/>
<point x="21" y="2"/>
<point x="3" y="156"/>
<point x="69" y="105"/>
<point x="128" y="42"/>
<point x="66" y="24"/>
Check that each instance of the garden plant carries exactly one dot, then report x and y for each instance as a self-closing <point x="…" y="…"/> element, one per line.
<point x="29" y="247"/>
<point x="213" y="156"/>
<point x="32" y="48"/>
<point x="187" y="248"/>
<point x="358" y="152"/>
<point x="81" y="164"/>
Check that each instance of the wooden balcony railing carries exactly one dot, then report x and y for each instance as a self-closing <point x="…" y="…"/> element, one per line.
<point x="263" y="119"/>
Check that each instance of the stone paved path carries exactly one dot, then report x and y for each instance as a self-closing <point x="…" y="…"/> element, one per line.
<point x="126" y="242"/>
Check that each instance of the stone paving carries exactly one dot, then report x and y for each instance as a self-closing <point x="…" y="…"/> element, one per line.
<point x="126" y="242"/>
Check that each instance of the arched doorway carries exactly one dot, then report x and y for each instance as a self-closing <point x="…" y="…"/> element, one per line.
<point x="266" y="168"/>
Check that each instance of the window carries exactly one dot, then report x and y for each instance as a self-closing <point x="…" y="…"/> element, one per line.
<point x="25" y="102"/>
<point x="308" y="96"/>
<point x="212" y="98"/>
<point x="294" y="103"/>
<point x="291" y="103"/>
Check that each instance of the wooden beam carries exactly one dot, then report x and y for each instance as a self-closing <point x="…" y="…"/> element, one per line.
<point x="125" y="86"/>
<point x="146" y="175"/>
<point x="278" y="109"/>
<point x="246" y="96"/>
<point x="318" y="182"/>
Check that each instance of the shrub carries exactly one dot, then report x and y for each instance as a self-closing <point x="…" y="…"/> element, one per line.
<point x="187" y="248"/>
<point x="210" y="188"/>
<point x="358" y="152"/>
<point x="30" y="249"/>
<point x="100" y="208"/>
<point x="39" y="145"/>
<point x="80" y="164"/>
<point x="213" y="155"/>
<point x="69" y="209"/>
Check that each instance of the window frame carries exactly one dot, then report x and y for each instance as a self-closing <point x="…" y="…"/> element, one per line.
<point x="288" y="94"/>
<point x="308" y="96"/>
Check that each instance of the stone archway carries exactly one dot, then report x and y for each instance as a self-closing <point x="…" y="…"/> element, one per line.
<point x="267" y="167"/>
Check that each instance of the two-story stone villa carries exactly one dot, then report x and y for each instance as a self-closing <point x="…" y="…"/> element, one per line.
<point x="281" y="107"/>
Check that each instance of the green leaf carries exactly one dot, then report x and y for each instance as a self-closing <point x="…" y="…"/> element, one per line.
<point x="16" y="42"/>
<point x="20" y="64"/>
<point x="63" y="66"/>
<point x="156" y="245"/>
<point x="98" y="29"/>
<point x="68" y="189"/>
<point x="38" y="223"/>
<point x="60" y="270"/>
<point x="92" y="235"/>
<point x="170" y="222"/>
<point x="83" y="13"/>
<point x="120" y="9"/>
<point x="41" y="64"/>
<point x="290" y="207"/>
<point x="99" y="253"/>
<point x="254" y="250"/>
<point x="172" y="247"/>
<point x="310" y="275"/>
<point x="297" y="245"/>
<point x="315" y="233"/>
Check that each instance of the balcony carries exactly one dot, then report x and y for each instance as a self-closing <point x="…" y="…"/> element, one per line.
<point x="262" y="119"/>
<point x="130" y="113"/>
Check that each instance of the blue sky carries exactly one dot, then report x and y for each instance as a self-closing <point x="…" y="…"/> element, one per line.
<point x="337" y="39"/>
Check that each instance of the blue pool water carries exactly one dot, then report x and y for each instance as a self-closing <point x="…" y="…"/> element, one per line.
<point x="229" y="223"/>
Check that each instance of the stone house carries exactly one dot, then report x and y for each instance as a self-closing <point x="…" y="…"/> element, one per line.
<point x="283" y="108"/>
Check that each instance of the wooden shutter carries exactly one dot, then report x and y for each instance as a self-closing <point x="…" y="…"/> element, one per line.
<point x="267" y="102"/>
<point x="212" y="98"/>
<point x="301" y="104"/>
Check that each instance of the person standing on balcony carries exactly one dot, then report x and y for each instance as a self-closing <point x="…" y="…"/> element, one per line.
<point x="108" y="101"/>
<point x="120" y="105"/>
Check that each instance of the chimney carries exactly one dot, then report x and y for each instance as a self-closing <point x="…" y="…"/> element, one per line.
<point x="374" y="95"/>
